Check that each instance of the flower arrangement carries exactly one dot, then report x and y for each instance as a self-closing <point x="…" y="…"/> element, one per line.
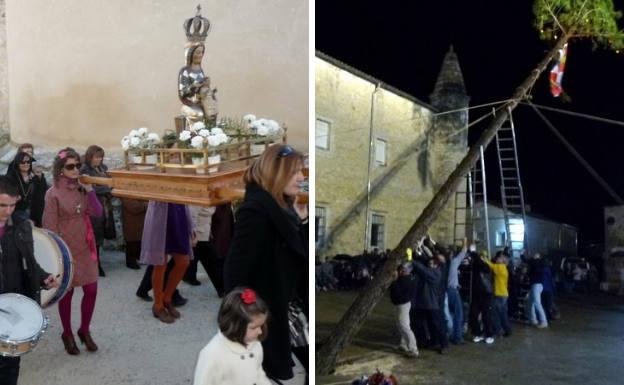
<point x="140" y="139"/>
<point x="262" y="126"/>
<point x="198" y="136"/>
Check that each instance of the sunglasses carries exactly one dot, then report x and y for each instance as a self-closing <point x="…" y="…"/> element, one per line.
<point x="25" y="162"/>
<point x="71" y="167"/>
<point x="285" y="151"/>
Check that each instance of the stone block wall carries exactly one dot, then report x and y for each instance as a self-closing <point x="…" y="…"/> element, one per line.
<point x="4" y="75"/>
<point x="344" y="100"/>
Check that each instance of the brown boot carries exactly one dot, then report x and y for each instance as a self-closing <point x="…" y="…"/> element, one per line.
<point x="70" y="345"/>
<point x="163" y="315"/>
<point x="172" y="310"/>
<point x="86" y="340"/>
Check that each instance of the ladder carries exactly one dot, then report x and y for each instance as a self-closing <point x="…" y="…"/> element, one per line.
<point x="471" y="218"/>
<point x="471" y="212"/>
<point x="512" y="195"/>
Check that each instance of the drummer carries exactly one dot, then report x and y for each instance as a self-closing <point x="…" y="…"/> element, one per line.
<point x="19" y="272"/>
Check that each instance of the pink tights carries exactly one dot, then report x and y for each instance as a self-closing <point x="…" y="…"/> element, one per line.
<point x="86" y="308"/>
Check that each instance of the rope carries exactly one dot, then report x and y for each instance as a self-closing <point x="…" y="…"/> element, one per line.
<point x="426" y="117"/>
<point x="577" y="114"/>
<point x="578" y="157"/>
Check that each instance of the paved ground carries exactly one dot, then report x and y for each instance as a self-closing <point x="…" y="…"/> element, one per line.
<point x="585" y="347"/>
<point x="134" y="347"/>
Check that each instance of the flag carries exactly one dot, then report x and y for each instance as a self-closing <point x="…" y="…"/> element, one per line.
<point x="556" y="73"/>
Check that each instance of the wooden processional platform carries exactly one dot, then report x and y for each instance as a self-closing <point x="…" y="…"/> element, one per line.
<point x="194" y="189"/>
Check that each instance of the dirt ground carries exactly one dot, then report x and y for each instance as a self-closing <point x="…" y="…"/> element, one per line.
<point x="586" y="346"/>
<point x="134" y="347"/>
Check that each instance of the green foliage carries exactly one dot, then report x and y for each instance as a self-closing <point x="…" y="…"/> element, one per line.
<point x="592" y="19"/>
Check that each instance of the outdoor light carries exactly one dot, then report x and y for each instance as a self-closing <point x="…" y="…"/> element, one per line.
<point x="516" y="230"/>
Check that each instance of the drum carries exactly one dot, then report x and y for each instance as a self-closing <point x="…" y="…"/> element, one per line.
<point x="53" y="256"/>
<point x="22" y="324"/>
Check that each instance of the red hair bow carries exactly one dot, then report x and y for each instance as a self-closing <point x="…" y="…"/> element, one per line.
<point x="248" y="296"/>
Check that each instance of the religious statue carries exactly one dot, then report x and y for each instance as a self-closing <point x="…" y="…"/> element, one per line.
<point x="199" y="100"/>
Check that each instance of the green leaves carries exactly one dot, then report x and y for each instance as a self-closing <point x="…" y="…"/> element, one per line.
<point x="583" y="19"/>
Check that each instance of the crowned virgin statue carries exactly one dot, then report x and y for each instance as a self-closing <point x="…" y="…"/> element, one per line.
<point x="199" y="100"/>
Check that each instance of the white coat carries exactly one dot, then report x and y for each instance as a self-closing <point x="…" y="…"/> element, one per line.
<point x="226" y="362"/>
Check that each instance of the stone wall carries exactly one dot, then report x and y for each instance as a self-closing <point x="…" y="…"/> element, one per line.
<point x="344" y="100"/>
<point x="84" y="72"/>
<point x="4" y="76"/>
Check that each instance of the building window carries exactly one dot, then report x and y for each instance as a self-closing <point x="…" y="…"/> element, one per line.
<point x="377" y="232"/>
<point x="322" y="134"/>
<point x="501" y="238"/>
<point x="320" y="220"/>
<point x="380" y="151"/>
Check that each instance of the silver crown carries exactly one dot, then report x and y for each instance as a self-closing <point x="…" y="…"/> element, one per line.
<point x="197" y="27"/>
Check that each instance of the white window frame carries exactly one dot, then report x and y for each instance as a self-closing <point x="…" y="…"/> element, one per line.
<point x="327" y="144"/>
<point x="383" y="162"/>
<point x="325" y="210"/>
<point x="501" y="238"/>
<point x="383" y="234"/>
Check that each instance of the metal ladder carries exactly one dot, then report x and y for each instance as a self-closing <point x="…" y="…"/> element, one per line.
<point x="471" y="214"/>
<point x="512" y="195"/>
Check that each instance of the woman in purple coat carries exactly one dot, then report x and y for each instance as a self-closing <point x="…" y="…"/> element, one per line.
<point x="168" y="230"/>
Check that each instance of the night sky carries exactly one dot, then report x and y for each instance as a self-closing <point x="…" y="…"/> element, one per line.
<point x="403" y="43"/>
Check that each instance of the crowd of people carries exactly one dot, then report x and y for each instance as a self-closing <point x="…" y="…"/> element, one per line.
<point x="257" y="262"/>
<point x="440" y="292"/>
<point x="434" y="291"/>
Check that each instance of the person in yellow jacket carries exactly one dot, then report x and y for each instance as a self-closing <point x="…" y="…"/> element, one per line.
<point x="501" y="277"/>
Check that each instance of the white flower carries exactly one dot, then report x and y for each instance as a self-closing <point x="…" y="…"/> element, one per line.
<point x="262" y="130"/>
<point x="255" y="125"/>
<point x="185" y="135"/>
<point x="222" y="138"/>
<point x="133" y="133"/>
<point x="213" y="141"/>
<point x="153" y="137"/>
<point x="249" y="118"/>
<point x="197" y="142"/>
<point x="142" y="131"/>
<point x="204" y="132"/>
<point x="197" y="126"/>
<point x="125" y="143"/>
<point x="274" y="126"/>
<point x="216" y="131"/>
<point x="135" y="141"/>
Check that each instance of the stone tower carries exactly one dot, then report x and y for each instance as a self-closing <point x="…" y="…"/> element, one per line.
<point x="448" y="142"/>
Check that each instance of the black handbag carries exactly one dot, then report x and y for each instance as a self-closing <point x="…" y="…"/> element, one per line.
<point x="298" y="325"/>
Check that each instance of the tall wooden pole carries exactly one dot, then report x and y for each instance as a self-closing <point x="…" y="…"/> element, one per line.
<point x="357" y="313"/>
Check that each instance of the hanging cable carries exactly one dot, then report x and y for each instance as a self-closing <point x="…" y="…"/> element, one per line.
<point x="577" y="114"/>
<point x="428" y="116"/>
<point x="578" y="157"/>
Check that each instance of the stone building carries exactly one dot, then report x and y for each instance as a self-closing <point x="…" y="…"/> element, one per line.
<point x="414" y="148"/>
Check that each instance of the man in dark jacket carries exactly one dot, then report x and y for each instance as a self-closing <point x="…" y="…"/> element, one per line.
<point x="427" y="304"/>
<point x="19" y="271"/>
<point x="482" y="301"/>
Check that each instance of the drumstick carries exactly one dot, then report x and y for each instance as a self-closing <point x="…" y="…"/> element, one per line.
<point x="5" y="311"/>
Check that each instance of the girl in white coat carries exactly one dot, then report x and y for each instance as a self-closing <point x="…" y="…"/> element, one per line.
<point x="234" y="355"/>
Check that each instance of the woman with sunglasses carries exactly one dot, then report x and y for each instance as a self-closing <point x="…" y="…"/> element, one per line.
<point x="30" y="188"/>
<point x="68" y="205"/>
<point x="269" y="251"/>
